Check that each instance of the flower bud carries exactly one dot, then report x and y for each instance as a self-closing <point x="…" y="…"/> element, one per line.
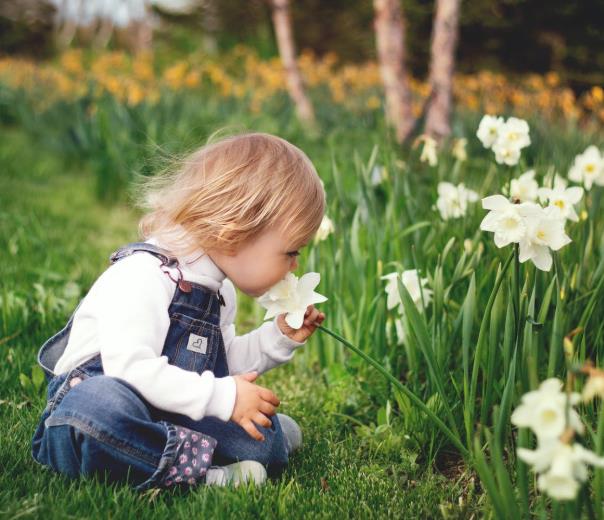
<point x="569" y="348"/>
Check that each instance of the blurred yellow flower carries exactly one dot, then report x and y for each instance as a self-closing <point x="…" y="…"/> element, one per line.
<point x="242" y="74"/>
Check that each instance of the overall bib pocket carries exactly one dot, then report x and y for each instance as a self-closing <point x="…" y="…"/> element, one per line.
<point x="194" y="342"/>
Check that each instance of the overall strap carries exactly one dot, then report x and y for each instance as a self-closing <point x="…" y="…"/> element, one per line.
<point x="128" y="249"/>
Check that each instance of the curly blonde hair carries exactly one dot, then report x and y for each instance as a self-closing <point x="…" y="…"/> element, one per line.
<point x="227" y="192"/>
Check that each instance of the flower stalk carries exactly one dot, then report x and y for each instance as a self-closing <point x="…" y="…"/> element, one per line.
<point x="404" y="390"/>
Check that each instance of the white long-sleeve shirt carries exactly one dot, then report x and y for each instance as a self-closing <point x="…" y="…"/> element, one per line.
<point x="124" y="317"/>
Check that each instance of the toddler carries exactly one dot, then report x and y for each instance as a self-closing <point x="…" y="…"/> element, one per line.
<point x="148" y="382"/>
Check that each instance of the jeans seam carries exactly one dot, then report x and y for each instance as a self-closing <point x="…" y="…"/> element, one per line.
<point x="193" y="324"/>
<point x="64" y="388"/>
<point x="189" y="306"/>
<point x="167" y="458"/>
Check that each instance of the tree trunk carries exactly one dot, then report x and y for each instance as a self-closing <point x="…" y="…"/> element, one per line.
<point x="287" y="51"/>
<point x="210" y="25"/>
<point x="444" y="43"/>
<point x="65" y="33"/>
<point x="390" y="42"/>
<point x="103" y="34"/>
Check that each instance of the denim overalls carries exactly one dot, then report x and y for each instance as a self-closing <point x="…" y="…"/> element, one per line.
<point x="94" y="423"/>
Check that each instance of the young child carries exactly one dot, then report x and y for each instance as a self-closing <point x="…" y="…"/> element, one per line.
<point x="148" y="381"/>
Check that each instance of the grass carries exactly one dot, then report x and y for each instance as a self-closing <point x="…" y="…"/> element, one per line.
<point x="55" y="239"/>
<point x="488" y="334"/>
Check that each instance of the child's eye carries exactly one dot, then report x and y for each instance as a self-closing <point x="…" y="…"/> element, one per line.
<point x="293" y="253"/>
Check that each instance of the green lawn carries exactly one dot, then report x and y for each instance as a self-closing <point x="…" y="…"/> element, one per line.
<point x="55" y="239"/>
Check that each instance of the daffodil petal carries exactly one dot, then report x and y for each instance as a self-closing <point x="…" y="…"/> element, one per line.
<point x="495" y="202"/>
<point x="295" y="319"/>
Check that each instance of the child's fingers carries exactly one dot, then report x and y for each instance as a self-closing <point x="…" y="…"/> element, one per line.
<point x="262" y="420"/>
<point x="250" y="376"/>
<point x="269" y="396"/>
<point x="309" y="310"/>
<point x="252" y="431"/>
<point x="312" y="316"/>
<point x="319" y="319"/>
<point x="267" y="408"/>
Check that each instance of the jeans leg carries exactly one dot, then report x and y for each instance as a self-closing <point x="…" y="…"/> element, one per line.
<point x="235" y="444"/>
<point x="102" y="425"/>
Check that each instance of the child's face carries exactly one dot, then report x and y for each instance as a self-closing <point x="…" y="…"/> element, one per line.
<point x="261" y="263"/>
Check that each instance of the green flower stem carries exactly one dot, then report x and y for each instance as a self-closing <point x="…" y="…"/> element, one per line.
<point x="470" y="403"/>
<point x="517" y="307"/>
<point x="404" y="390"/>
<point x="599" y="473"/>
<point x="516" y="290"/>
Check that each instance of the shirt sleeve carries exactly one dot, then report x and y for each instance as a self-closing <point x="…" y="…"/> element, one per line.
<point x="259" y="350"/>
<point x="132" y="301"/>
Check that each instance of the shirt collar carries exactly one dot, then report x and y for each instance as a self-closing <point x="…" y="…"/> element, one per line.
<point x="198" y="267"/>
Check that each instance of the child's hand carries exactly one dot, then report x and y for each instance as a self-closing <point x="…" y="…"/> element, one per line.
<point x="253" y="403"/>
<point x="312" y="318"/>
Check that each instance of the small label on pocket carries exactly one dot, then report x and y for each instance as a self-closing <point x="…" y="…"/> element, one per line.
<point x="197" y="344"/>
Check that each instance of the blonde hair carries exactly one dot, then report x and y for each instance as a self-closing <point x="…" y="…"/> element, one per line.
<point x="227" y="192"/>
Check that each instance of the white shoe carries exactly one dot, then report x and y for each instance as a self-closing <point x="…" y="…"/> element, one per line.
<point x="236" y="473"/>
<point x="291" y="432"/>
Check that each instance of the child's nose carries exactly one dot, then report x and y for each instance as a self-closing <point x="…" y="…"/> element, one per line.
<point x="294" y="264"/>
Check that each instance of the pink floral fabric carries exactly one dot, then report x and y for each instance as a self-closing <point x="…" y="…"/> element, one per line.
<point x="193" y="458"/>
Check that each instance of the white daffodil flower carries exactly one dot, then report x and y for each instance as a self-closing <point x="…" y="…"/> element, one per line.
<point x="488" y="130"/>
<point x="292" y="296"/>
<point x="515" y="132"/>
<point x="506" y="139"/>
<point x="563" y="199"/>
<point x="400" y="331"/>
<point x="525" y="187"/>
<point x="429" y="154"/>
<point x="504" y="219"/>
<point x="544" y="411"/>
<point x="393" y="299"/>
<point x="453" y="200"/>
<point x="326" y="228"/>
<point x="459" y="149"/>
<point x="588" y="168"/>
<point x="544" y="231"/>
<point x="535" y="229"/>
<point x="558" y="180"/>
<point x="411" y="281"/>
<point x="506" y="153"/>
<point x="562" y="467"/>
<point x="378" y="175"/>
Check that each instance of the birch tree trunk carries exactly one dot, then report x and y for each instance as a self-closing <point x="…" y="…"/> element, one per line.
<point x="103" y="34"/>
<point x="287" y="51"/>
<point x="442" y="65"/>
<point x="390" y="42"/>
<point x="210" y="25"/>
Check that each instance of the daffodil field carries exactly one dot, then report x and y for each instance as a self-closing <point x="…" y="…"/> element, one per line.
<point x="99" y="105"/>
<point x="464" y="280"/>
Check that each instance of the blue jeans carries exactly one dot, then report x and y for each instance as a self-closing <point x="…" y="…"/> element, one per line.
<point x="96" y="424"/>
